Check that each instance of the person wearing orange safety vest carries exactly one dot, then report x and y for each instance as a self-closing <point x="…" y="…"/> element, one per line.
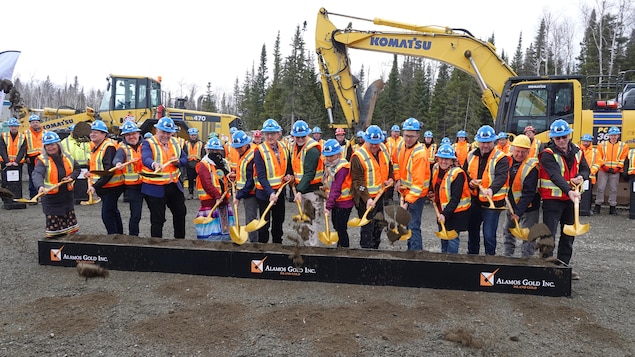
<point x="162" y="157"/>
<point x="461" y="147"/>
<point x="12" y="152"/>
<point x="308" y="170"/>
<point x="58" y="204"/>
<point x="488" y="174"/>
<point x="536" y="144"/>
<point x="194" y="150"/>
<point x="33" y="137"/>
<point x="523" y="196"/>
<point x="412" y="177"/>
<point x="316" y="134"/>
<point x="503" y="144"/>
<point x="273" y="168"/>
<point x="430" y="146"/>
<point x="243" y="176"/>
<point x="392" y="142"/>
<point x="612" y="154"/>
<point x="561" y="166"/>
<point x="593" y="160"/>
<point x="337" y="186"/>
<point x="371" y="170"/>
<point x="108" y="187"/>
<point x="451" y="194"/>
<point x="130" y="150"/>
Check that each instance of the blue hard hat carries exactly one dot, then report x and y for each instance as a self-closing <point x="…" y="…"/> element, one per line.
<point x="587" y="137"/>
<point x="147" y="135"/>
<point x="374" y="135"/>
<point x="485" y="134"/>
<point x="166" y="124"/>
<point x="559" y="128"/>
<point x="129" y="127"/>
<point x="428" y="134"/>
<point x="317" y="130"/>
<point x="446" y="151"/>
<point x="99" y="126"/>
<point x="446" y="140"/>
<point x="331" y="147"/>
<point x="614" y="131"/>
<point x="192" y="131"/>
<point x="300" y="128"/>
<point x="396" y="128"/>
<point x="271" y="126"/>
<point x="71" y="127"/>
<point x="410" y="124"/>
<point x="240" y="139"/>
<point x="34" y="117"/>
<point x="50" y="137"/>
<point x="13" y="122"/>
<point x="502" y="135"/>
<point x="232" y="130"/>
<point x="360" y="134"/>
<point x="461" y="134"/>
<point x="214" y="144"/>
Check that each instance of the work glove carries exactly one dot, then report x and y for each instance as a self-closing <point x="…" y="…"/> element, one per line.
<point x="611" y="170"/>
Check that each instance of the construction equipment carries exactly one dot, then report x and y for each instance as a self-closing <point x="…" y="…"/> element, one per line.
<point x="91" y="198"/>
<point x="237" y="233"/>
<point x="45" y="192"/>
<point x="359" y="222"/>
<point x="256" y="224"/>
<point x="207" y="219"/>
<point x="516" y="231"/>
<point x="576" y="228"/>
<point x="443" y="234"/>
<point x="135" y="98"/>
<point x="300" y="217"/>
<point x="328" y="237"/>
<point x="111" y="171"/>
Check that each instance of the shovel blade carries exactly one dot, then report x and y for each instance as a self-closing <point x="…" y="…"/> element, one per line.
<point x="90" y="202"/>
<point x="520" y="233"/>
<point x="238" y="235"/>
<point x="324" y="238"/>
<point x="358" y="222"/>
<point x="300" y="218"/>
<point x="406" y="236"/>
<point x="255" y="225"/>
<point x="575" y="229"/>
<point x="446" y="235"/>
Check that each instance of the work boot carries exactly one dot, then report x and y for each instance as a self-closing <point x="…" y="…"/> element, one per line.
<point x="613" y="211"/>
<point x="596" y="210"/>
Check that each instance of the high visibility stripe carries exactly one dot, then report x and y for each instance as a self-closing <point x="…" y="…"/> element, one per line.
<point x="96" y="162"/>
<point x="519" y="180"/>
<point x="445" y="188"/>
<point x="194" y="151"/>
<point x="276" y="167"/>
<point x="159" y="155"/>
<point x="33" y="142"/>
<point x="131" y="172"/>
<point x="547" y="189"/>
<point x="614" y="159"/>
<point x="202" y="194"/>
<point x="52" y="177"/>
<point x="13" y="145"/>
<point x="329" y="177"/>
<point x="297" y="162"/>
<point x="404" y="163"/>
<point x="488" y="173"/>
<point x="241" y="172"/>
<point x="376" y="172"/>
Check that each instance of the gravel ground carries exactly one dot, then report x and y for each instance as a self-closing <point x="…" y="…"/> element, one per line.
<point x="52" y="311"/>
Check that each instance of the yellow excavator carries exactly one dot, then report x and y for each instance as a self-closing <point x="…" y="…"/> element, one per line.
<point x="513" y="101"/>
<point x="133" y="98"/>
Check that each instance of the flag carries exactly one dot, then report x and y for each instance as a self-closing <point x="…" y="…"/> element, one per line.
<point x="7" y="64"/>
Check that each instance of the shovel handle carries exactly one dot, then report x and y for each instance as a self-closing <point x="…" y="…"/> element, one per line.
<point x="235" y="205"/>
<point x="163" y="166"/>
<point x="277" y="195"/>
<point x="509" y="205"/>
<point x="378" y="196"/>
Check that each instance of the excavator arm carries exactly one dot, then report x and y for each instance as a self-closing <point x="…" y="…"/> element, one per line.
<point x="455" y="47"/>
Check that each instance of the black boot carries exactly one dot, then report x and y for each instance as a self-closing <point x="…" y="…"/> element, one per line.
<point x="613" y="211"/>
<point x="596" y="210"/>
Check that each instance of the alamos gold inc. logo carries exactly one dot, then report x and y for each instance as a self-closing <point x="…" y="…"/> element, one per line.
<point x="487" y="278"/>
<point x="56" y="254"/>
<point x="257" y="266"/>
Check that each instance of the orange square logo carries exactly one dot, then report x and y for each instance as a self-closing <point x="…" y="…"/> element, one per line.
<point x="258" y="266"/>
<point x="56" y="254"/>
<point x="487" y="278"/>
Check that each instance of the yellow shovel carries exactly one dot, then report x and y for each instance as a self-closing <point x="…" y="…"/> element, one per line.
<point x="300" y="217"/>
<point x="489" y="199"/>
<point x="91" y="200"/>
<point x="516" y="231"/>
<point x="111" y="171"/>
<point x="35" y="198"/>
<point x="208" y="218"/>
<point x="359" y="222"/>
<point x="576" y="229"/>
<point x="237" y="233"/>
<point x="444" y="234"/>
<point x="256" y="224"/>
<point x="328" y="237"/>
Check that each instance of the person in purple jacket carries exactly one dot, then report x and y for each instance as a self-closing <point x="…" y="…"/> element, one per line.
<point x="337" y="183"/>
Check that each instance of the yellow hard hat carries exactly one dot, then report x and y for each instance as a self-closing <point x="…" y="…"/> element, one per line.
<point x="522" y="141"/>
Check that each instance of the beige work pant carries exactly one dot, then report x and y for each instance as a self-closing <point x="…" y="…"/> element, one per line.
<point x="603" y="178"/>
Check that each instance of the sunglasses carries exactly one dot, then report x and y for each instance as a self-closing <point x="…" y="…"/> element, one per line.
<point x="558" y="138"/>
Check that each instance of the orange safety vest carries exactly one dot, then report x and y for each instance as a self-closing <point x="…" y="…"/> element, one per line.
<point x="194" y="150"/>
<point x="534" y="150"/>
<point x="202" y="194"/>
<point x="162" y="155"/>
<point x="613" y="155"/>
<point x="96" y="162"/>
<point x="461" y="149"/>
<point x="393" y="144"/>
<point x="430" y="152"/>
<point x="131" y="175"/>
<point x="631" y="162"/>
<point x="488" y="174"/>
<point x="548" y="190"/>
<point x="375" y="170"/>
<point x="445" y="189"/>
<point x="13" y="145"/>
<point x="33" y="142"/>
<point x="276" y="167"/>
<point x="329" y="176"/>
<point x="593" y="160"/>
<point x="297" y="162"/>
<point x="232" y="157"/>
<point x="52" y="177"/>
<point x="504" y="148"/>
<point x="523" y="170"/>
<point x="409" y="167"/>
<point x="241" y="169"/>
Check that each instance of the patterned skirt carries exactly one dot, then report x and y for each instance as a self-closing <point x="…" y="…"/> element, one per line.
<point x="57" y="226"/>
<point x="218" y="228"/>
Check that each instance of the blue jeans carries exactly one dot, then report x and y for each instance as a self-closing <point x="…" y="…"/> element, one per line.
<point x="110" y="214"/>
<point x="416" y="211"/>
<point x="478" y="215"/>
<point x="135" y="199"/>
<point x="450" y="246"/>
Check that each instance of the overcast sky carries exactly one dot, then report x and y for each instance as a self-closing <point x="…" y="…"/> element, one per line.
<point x="194" y="42"/>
